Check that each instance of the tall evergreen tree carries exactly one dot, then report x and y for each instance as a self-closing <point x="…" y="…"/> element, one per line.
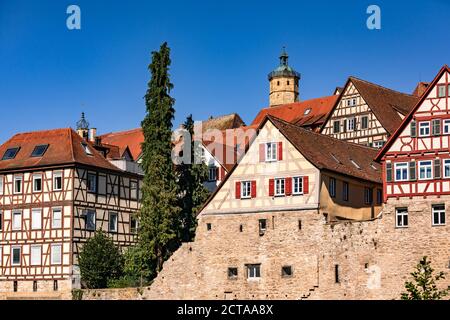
<point x="191" y="181"/>
<point x="160" y="213"/>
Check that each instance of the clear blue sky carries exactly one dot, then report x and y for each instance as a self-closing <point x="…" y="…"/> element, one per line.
<point x="221" y="52"/>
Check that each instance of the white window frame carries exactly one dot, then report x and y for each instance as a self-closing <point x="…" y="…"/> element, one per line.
<point x="134" y="191"/>
<point x="404" y="166"/>
<point x="438" y="91"/>
<point x="251" y="271"/>
<point x="351" y="102"/>
<point x="429" y="166"/>
<point x="271" y="152"/>
<point x="378" y="144"/>
<point x="439" y="213"/>
<point x="37" y="176"/>
<point x="54" y="225"/>
<point x="351" y="121"/>
<point x="299" y="189"/>
<point x="280" y="187"/>
<point x="246" y="189"/>
<point x="116" y="224"/>
<point x="36" y="216"/>
<point x="332" y="186"/>
<point x="52" y="254"/>
<point x="18" y="178"/>
<point x="57" y="174"/>
<point x="425" y="125"/>
<point x="401" y="212"/>
<point x="12" y="255"/>
<point x="446" y="126"/>
<point x="14" y="214"/>
<point x="446" y="163"/>
<point x="94" y="213"/>
<point x="35" y="260"/>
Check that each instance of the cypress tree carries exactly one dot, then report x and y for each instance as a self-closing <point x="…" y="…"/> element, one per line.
<point x="191" y="181"/>
<point x="160" y="213"/>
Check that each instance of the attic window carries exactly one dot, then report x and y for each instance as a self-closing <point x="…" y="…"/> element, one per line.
<point x="307" y="111"/>
<point x="10" y="153"/>
<point x="335" y="159"/>
<point x="39" y="150"/>
<point x="86" y="149"/>
<point x="355" y="164"/>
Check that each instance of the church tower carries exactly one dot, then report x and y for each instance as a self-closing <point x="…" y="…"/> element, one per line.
<point x="283" y="83"/>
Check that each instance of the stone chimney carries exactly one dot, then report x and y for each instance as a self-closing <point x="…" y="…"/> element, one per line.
<point x="92" y="134"/>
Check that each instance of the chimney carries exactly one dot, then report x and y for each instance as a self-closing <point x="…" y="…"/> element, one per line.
<point x="420" y="88"/>
<point x="92" y="134"/>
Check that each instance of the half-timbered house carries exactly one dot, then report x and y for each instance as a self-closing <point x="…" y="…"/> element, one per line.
<point x="56" y="191"/>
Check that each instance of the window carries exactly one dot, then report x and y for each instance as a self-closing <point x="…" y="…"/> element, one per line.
<point x="336" y="273"/>
<point x="401" y="171"/>
<point x="37" y="183"/>
<point x="57" y="180"/>
<point x="253" y="271"/>
<point x="262" y="226"/>
<point x="378" y="144"/>
<point x="1" y="185"/>
<point x="345" y="191"/>
<point x="286" y="271"/>
<point x="364" y="122"/>
<point x="232" y="273"/>
<point x="36" y="255"/>
<point x="438" y="211"/>
<point x="446" y="126"/>
<point x="297" y="185"/>
<point x="351" y="102"/>
<point x="17" y="220"/>
<point x="379" y="196"/>
<point x="368" y="195"/>
<point x="133" y="225"/>
<point x="86" y="149"/>
<point x="90" y="220"/>
<point x="299" y="224"/>
<point x="56" y="254"/>
<point x="18" y="184"/>
<point x="39" y="150"/>
<point x="336" y="126"/>
<point x="56" y="218"/>
<point x="16" y="256"/>
<point x="288" y="82"/>
<point x="36" y="219"/>
<point x="15" y="285"/>
<point x="92" y="182"/>
<point x="208" y="226"/>
<point x="332" y="187"/>
<point x="401" y="215"/>
<point x="441" y="90"/>
<point x="351" y="124"/>
<point x="55" y="285"/>
<point x="212" y="174"/>
<point x="280" y="187"/>
<point x="10" y="153"/>
<point x="112" y="222"/>
<point x="447" y="168"/>
<point x="271" y="151"/>
<point x="246" y="188"/>
<point x="307" y="111"/>
<point x="35" y="286"/>
<point x="425" y="168"/>
<point x="424" y="129"/>
<point x="133" y="190"/>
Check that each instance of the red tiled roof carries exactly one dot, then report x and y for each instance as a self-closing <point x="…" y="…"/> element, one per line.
<point x="123" y="139"/>
<point x="64" y="148"/>
<point x="295" y="112"/>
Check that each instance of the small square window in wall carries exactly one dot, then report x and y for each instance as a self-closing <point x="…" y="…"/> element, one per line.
<point x="262" y="226"/>
<point x="232" y="273"/>
<point x="286" y="271"/>
<point x="208" y="226"/>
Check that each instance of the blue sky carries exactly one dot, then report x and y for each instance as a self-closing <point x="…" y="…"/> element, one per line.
<point x="222" y="52"/>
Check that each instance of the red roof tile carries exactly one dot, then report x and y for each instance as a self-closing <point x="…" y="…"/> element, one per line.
<point x="132" y="139"/>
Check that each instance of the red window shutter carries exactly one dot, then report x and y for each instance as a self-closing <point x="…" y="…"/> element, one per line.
<point x="262" y="152"/>
<point x="238" y="189"/>
<point x="288" y="186"/>
<point x="253" y="189"/>
<point x="271" y="187"/>
<point x="280" y="151"/>
<point x="222" y="174"/>
<point x="305" y="185"/>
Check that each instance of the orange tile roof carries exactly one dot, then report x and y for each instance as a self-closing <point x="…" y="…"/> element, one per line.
<point x="295" y="112"/>
<point x="132" y="139"/>
<point x="64" y="148"/>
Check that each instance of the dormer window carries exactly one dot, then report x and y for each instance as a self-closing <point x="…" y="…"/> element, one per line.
<point x="10" y="153"/>
<point x="39" y="150"/>
<point x="307" y="111"/>
<point x="86" y="149"/>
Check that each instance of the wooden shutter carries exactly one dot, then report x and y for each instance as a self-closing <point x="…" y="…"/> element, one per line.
<point x="412" y="171"/>
<point x="305" y="185"/>
<point x="280" y="151"/>
<point x="238" y="189"/>
<point x="437" y="168"/>
<point x="288" y="186"/>
<point x="262" y="152"/>
<point x="413" y="129"/>
<point x="345" y="126"/>
<point x="436" y="127"/>
<point x="253" y="189"/>
<point x="388" y="171"/>
<point x="271" y="187"/>
<point x="355" y="124"/>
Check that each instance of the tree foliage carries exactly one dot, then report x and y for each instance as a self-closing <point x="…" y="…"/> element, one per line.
<point x="100" y="261"/>
<point x="423" y="286"/>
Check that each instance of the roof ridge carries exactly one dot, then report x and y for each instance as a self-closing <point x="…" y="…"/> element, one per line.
<point x="380" y="86"/>
<point x="72" y="154"/>
<point x="120" y="132"/>
<point x="296" y="102"/>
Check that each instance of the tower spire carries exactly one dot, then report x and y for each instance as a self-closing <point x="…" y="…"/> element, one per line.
<point x="284" y="57"/>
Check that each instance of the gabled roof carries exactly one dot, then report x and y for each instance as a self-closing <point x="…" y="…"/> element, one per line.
<point x="65" y="147"/>
<point x="385" y="103"/>
<point x="297" y="112"/>
<point x="229" y="121"/>
<point x="130" y="139"/>
<point x="408" y="117"/>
